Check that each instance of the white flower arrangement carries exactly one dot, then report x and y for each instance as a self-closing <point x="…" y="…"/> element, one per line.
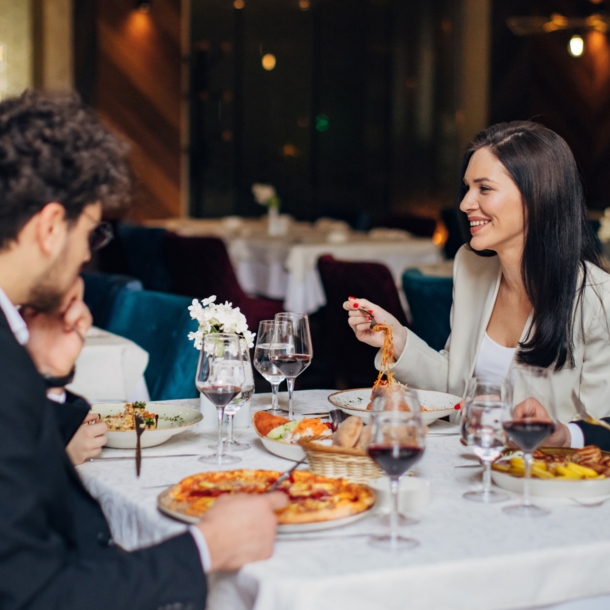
<point x="218" y="318"/>
<point x="265" y="195"/>
<point x="604" y="227"/>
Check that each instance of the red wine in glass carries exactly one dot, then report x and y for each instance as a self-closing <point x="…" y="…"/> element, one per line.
<point x="528" y="434"/>
<point x="395" y="459"/>
<point x="221" y="395"/>
<point x="291" y="365"/>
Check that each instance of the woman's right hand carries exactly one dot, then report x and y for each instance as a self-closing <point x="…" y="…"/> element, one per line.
<point x="360" y="321"/>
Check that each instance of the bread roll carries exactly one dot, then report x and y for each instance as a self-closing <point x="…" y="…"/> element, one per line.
<point x="348" y="432"/>
<point x="365" y="438"/>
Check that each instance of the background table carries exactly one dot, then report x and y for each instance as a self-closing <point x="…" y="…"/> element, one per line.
<point x="284" y="267"/>
<point x="472" y="556"/>
<point x="110" y="368"/>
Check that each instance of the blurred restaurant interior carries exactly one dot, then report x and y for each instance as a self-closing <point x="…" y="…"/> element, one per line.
<point x="355" y="111"/>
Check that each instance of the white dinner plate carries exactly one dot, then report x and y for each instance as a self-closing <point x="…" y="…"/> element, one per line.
<point x="553" y="489"/>
<point x="297" y="528"/>
<point x="173" y="419"/>
<point x="354" y="402"/>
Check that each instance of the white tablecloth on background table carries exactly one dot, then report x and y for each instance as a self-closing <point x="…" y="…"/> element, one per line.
<point x="285" y="267"/>
<point x="471" y="557"/>
<point x="110" y="368"/>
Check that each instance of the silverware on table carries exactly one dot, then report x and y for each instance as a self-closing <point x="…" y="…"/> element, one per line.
<point x="584" y="416"/>
<point x="285" y="475"/>
<point x="468" y="466"/>
<point x="140" y="426"/>
<point x="304" y="537"/>
<point x="128" y="457"/>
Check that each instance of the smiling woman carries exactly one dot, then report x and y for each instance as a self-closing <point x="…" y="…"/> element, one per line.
<point x="528" y="285"/>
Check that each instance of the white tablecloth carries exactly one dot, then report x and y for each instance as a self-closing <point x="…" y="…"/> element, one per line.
<point x="110" y="368"/>
<point x="284" y="267"/>
<point x="471" y="557"/>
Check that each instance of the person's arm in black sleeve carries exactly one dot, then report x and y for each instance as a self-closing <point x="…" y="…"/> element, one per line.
<point x="69" y="414"/>
<point x="596" y="435"/>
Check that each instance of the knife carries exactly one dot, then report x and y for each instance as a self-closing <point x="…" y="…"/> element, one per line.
<point x="285" y="475"/>
<point x="128" y="457"/>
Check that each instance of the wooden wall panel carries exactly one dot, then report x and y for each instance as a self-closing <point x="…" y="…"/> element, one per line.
<point x="138" y="93"/>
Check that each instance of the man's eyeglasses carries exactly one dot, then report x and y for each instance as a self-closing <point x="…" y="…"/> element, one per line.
<point x="101" y="236"/>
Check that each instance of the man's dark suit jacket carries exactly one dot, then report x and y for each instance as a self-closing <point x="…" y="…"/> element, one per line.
<point x="56" y="550"/>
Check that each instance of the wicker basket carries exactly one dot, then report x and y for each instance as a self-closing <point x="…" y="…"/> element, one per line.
<point x="351" y="464"/>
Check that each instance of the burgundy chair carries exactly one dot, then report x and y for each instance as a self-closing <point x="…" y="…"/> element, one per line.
<point x="353" y="360"/>
<point x="200" y="267"/>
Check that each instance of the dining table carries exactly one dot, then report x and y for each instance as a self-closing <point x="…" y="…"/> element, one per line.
<point x="284" y="267"/>
<point x="471" y="556"/>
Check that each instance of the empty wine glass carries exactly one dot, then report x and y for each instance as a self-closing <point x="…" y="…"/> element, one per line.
<point x="397" y="442"/>
<point x="247" y="391"/>
<point x="292" y="352"/>
<point x="532" y="416"/>
<point x="220" y="376"/>
<point x="267" y="334"/>
<point x="482" y="419"/>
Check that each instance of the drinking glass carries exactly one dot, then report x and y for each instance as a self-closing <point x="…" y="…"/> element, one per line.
<point x="482" y="419"/>
<point x="266" y="336"/>
<point x="247" y="391"/>
<point x="292" y="352"/>
<point x="532" y="417"/>
<point x="396" y="444"/>
<point x="220" y="376"/>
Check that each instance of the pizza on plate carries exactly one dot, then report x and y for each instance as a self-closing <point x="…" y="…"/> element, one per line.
<point x="312" y="498"/>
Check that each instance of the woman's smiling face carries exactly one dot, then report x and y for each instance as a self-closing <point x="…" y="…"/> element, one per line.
<point x="493" y="204"/>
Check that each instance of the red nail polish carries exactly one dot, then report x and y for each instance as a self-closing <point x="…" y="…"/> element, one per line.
<point x="370" y="310"/>
<point x="458" y="407"/>
<point x="351" y="298"/>
<point x="355" y="305"/>
<point x="369" y="317"/>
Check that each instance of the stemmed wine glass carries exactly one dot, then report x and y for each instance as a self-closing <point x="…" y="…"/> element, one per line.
<point x="482" y="419"/>
<point x="292" y="352"/>
<point x="397" y="442"/>
<point x="532" y="416"/>
<point x="265" y="338"/>
<point x="247" y="391"/>
<point x="220" y="377"/>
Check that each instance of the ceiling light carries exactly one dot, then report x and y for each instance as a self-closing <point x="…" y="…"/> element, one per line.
<point x="576" y="46"/>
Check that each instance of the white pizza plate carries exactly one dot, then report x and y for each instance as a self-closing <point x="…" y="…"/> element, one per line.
<point x="354" y="402"/>
<point x="549" y="488"/>
<point x="283" y="450"/>
<point x="297" y="528"/>
<point x="173" y="419"/>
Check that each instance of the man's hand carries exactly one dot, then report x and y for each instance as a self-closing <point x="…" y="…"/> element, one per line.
<point x="360" y="322"/>
<point x="530" y="408"/>
<point x="56" y="339"/>
<point x="240" y="529"/>
<point x="88" y="440"/>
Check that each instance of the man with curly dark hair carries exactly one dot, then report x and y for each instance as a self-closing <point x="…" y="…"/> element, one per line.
<point x="59" y="168"/>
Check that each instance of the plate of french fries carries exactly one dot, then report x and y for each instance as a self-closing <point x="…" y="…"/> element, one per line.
<point x="556" y="472"/>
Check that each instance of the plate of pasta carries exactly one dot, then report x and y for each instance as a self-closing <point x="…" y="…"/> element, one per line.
<point x="434" y="405"/>
<point x="162" y="421"/>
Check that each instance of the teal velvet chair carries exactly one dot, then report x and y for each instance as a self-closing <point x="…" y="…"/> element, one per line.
<point x="160" y="324"/>
<point x="430" y="300"/>
<point x="102" y="290"/>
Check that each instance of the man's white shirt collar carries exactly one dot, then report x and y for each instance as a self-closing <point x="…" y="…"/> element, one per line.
<point x="15" y="321"/>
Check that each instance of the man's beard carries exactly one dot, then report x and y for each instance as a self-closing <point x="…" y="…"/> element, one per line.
<point x="48" y="293"/>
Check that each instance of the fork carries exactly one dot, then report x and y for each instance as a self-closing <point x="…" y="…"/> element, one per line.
<point x="368" y="313"/>
<point x="584" y="416"/>
<point x="140" y="425"/>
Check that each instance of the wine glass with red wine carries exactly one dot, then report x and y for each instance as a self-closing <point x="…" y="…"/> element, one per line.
<point x="397" y="443"/>
<point x="220" y="377"/>
<point x="291" y="351"/>
<point x="532" y="418"/>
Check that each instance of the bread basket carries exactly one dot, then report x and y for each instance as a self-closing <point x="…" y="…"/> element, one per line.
<point x="351" y="464"/>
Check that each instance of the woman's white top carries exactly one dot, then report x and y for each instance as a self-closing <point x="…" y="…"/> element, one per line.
<point x="494" y="360"/>
<point x="492" y="365"/>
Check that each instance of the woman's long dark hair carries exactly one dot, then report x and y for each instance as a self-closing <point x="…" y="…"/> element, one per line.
<point x="558" y="238"/>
